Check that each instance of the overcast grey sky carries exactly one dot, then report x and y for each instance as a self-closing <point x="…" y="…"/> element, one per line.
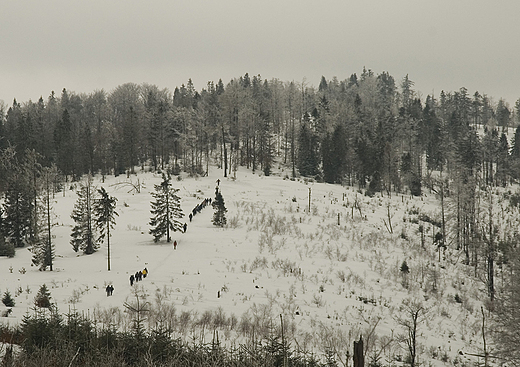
<point x="93" y="44"/>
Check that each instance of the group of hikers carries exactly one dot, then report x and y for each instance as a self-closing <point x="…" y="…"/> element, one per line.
<point x="139" y="275"/>
<point x="110" y="289"/>
<point x="199" y="208"/>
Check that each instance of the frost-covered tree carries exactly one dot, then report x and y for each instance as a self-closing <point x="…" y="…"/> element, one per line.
<point x="166" y="209"/>
<point x="104" y="210"/>
<point x="84" y="232"/>
<point x="219" y="217"/>
<point x="6" y="249"/>
<point x="506" y="317"/>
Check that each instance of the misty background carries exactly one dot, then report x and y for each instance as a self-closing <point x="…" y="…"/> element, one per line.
<point x="86" y="46"/>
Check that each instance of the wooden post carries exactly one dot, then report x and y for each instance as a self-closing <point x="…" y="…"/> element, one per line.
<point x="359" y="359"/>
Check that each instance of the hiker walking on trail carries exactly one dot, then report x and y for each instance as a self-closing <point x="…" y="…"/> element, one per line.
<point x="185" y="227"/>
<point x="175" y="245"/>
<point x="136" y="276"/>
<point x="132" y="280"/>
<point x="145" y="272"/>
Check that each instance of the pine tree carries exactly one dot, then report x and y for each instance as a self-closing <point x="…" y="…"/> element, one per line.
<point x="18" y="208"/>
<point x="219" y="217"/>
<point x="84" y="232"/>
<point x="43" y="297"/>
<point x="43" y="248"/>
<point x="63" y="140"/>
<point x="166" y="209"/>
<point x="104" y="210"/>
<point x="7" y="300"/>
<point x="308" y="156"/>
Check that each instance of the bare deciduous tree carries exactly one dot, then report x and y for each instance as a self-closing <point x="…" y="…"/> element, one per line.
<point x="412" y="313"/>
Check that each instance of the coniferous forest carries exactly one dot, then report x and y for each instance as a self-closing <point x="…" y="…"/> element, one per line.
<point x="371" y="131"/>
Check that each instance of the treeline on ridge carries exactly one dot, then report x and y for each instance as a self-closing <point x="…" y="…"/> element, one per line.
<point x="366" y="130"/>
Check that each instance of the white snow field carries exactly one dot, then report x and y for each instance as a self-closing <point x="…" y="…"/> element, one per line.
<point x="331" y="282"/>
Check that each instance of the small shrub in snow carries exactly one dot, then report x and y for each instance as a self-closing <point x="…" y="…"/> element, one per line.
<point x="458" y="299"/>
<point x="318" y="300"/>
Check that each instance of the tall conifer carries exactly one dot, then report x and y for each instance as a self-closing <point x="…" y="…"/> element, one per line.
<point x="84" y="232"/>
<point x="219" y="217"/>
<point x="166" y="209"/>
<point x="104" y="211"/>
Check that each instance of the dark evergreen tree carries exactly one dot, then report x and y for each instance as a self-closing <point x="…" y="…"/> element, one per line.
<point x="43" y="297"/>
<point x="43" y="247"/>
<point x="7" y="300"/>
<point x="308" y="150"/>
<point x="166" y="209"/>
<point x="64" y="144"/>
<point x="84" y="231"/>
<point x="18" y="208"/>
<point x="334" y="155"/>
<point x="515" y="153"/>
<point x="104" y="212"/>
<point x="219" y="217"/>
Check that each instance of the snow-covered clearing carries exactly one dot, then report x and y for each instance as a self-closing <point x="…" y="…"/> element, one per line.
<point x="334" y="273"/>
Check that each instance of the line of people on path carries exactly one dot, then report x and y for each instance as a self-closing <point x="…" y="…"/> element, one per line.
<point x="139" y="275"/>
<point x="199" y="208"/>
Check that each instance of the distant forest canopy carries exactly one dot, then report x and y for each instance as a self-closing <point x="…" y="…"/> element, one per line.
<point x="369" y="130"/>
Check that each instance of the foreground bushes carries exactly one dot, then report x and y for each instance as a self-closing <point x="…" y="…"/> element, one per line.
<point x="48" y="339"/>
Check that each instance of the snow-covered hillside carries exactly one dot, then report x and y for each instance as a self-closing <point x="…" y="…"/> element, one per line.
<point x="334" y="273"/>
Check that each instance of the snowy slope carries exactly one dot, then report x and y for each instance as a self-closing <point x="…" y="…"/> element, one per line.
<point x="331" y="282"/>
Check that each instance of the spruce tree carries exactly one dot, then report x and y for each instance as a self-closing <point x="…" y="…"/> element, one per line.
<point x="84" y="232"/>
<point x="43" y="248"/>
<point x="104" y="210"/>
<point x="18" y="208"/>
<point x="7" y="300"/>
<point x="308" y="150"/>
<point x="219" y="217"/>
<point x="43" y="297"/>
<point x="166" y="209"/>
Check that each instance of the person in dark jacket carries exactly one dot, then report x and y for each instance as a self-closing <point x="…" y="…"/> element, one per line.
<point x="132" y="279"/>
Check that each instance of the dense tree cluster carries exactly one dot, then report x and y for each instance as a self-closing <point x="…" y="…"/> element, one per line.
<point x="368" y="130"/>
